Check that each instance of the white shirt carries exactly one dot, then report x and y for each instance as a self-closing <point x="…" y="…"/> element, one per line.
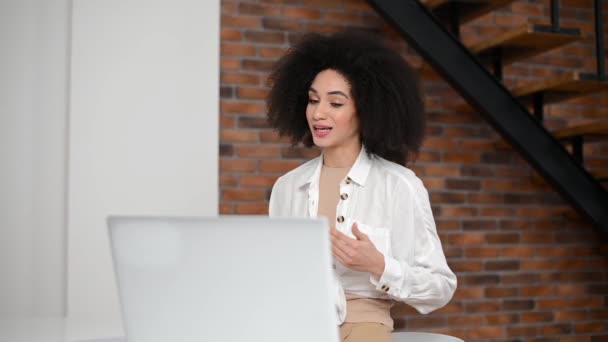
<point x="391" y="206"/>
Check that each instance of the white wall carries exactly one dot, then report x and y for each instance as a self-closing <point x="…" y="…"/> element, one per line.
<point x="106" y="107"/>
<point x="33" y="119"/>
<point x="143" y="133"/>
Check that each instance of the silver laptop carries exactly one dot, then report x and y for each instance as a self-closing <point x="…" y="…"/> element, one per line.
<point x="226" y="278"/>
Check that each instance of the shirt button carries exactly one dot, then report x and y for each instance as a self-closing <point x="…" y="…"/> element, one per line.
<point x="344" y="196"/>
<point x="340" y="219"/>
<point x="348" y="180"/>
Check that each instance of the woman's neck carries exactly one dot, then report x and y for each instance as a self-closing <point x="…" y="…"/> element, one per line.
<point x="341" y="156"/>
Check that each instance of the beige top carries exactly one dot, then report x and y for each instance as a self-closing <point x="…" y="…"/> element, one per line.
<point x="358" y="309"/>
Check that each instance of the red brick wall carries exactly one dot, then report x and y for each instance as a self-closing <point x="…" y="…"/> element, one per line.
<point x="528" y="268"/>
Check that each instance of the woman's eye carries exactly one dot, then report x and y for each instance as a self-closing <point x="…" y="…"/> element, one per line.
<point x="313" y="101"/>
<point x="336" y="105"/>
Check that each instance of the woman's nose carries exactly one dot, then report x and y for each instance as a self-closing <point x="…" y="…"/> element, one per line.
<point x="319" y="112"/>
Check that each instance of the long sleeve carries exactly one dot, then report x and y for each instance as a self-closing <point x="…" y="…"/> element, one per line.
<point x="416" y="272"/>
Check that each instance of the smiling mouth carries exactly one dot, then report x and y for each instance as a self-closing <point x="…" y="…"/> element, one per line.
<point x="322" y="128"/>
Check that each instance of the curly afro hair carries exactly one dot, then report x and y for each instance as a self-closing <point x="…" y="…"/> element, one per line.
<point x="385" y="89"/>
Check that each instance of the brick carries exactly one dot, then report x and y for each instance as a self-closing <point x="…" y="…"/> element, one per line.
<point x="502" y="265"/>
<point x="454" y="211"/>
<point x="237" y="49"/>
<point x="231" y="34"/>
<point x="226" y="92"/>
<point x="485" y="332"/>
<point x="465" y="266"/>
<point x="480" y="224"/>
<point x="227" y="179"/>
<point x="278" y="166"/>
<point x="226" y="209"/>
<point x="447" y="197"/>
<point x="229" y="63"/>
<point x="502" y="238"/>
<point x="518" y="251"/>
<point x="484" y="198"/>
<point x="235" y="107"/>
<point x="485" y="306"/>
<point x="571" y="315"/>
<point x="520" y="278"/>
<point x="228" y="7"/>
<point x="299" y="153"/>
<point x="281" y="24"/>
<point x="556" y="329"/>
<point x="523" y="331"/>
<point x="251" y="209"/>
<point x="227" y="121"/>
<point x="518" y="304"/>
<point x="267" y="37"/>
<point x="499" y="292"/>
<point x="477" y="170"/>
<point x="272" y="52"/>
<point x="240" y="21"/>
<point x="452" y="252"/>
<point x="257" y="65"/>
<point x="257" y="151"/>
<point x="462" y="184"/>
<point x="496" y="211"/>
<point x="243" y="195"/>
<point x="259" y="10"/>
<point x="234" y="135"/>
<point x="442" y="170"/>
<point x="502" y="319"/>
<point x="239" y="78"/>
<point x="461" y="158"/>
<point x="466" y="239"/>
<point x="468" y="293"/>
<point x="536" y="317"/>
<point x="426" y="322"/>
<point x="466" y="320"/>
<point x="301" y="13"/>
<point x="226" y="150"/>
<point x="481" y="252"/>
<point x="251" y="93"/>
<point x="481" y="279"/>
<point x="269" y="136"/>
<point x="591" y="327"/>
<point x="232" y="165"/>
<point x="258" y="180"/>
<point x="253" y="122"/>
<point x="537" y="291"/>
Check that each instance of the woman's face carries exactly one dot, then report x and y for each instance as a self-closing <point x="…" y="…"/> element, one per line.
<point x="331" y="113"/>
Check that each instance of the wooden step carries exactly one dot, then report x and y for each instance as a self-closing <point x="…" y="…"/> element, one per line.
<point x="523" y="42"/>
<point x="560" y="88"/>
<point x="554" y="89"/>
<point x="467" y="9"/>
<point x="600" y="175"/>
<point x="590" y="132"/>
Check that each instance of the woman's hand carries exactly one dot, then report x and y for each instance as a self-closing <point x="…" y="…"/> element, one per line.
<point x="358" y="254"/>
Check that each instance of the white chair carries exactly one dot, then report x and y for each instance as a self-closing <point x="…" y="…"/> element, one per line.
<point x="423" y="337"/>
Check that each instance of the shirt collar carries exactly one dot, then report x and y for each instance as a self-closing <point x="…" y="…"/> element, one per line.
<point x="357" y="173"/>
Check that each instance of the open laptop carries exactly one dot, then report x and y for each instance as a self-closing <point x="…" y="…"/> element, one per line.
<point x="245" y="278"/>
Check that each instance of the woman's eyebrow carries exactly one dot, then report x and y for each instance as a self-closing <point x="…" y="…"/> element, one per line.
<point x="335" y="92"/>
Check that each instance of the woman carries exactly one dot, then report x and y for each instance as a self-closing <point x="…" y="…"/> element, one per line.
<point x="359" y="102"/>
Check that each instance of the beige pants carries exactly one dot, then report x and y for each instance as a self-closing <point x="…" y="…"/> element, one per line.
<point x="365" y="332"/>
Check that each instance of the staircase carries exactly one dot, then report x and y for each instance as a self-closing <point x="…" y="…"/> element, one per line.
<point x="432" y="27"/>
